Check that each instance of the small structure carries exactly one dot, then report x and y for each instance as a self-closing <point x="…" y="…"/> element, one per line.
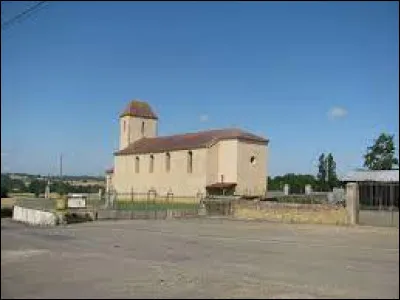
<point x="377" y="188"/>
<point x="77" y="201"/>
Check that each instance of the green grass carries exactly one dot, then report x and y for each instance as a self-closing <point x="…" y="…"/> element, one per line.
<point x="154" y="206"/>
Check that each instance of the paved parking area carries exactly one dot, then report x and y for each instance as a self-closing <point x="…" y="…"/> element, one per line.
<point x="198" y="258"/>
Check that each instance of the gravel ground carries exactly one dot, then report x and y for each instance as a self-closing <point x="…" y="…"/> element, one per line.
<point x="198" y="258"/>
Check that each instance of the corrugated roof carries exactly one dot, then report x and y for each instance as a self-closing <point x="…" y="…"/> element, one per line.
<point x="372" y="175"/>
<point x="187" y="141"/>
<point x="140" y="109"/>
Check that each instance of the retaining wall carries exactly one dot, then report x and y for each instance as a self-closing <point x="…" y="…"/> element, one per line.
<point x="291" y="213"/>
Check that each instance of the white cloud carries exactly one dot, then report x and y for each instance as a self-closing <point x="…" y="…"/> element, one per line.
<point x="203" y="118"/>
<point x="337" y="112"/>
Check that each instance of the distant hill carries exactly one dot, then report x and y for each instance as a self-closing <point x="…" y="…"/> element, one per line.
<point x="64" y="177"/>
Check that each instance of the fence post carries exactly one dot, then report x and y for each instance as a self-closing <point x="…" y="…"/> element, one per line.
<point x="286" y="189"/>
<point x="352" y="203"/>
<point x="131" y="208"/>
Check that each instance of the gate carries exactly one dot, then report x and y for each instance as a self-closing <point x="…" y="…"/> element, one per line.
<point x="379" y="203"/>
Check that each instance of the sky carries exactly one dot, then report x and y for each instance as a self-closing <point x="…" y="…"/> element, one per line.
<point x="312" y="77"/>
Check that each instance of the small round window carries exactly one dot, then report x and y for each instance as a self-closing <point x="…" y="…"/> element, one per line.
<point x="253" y="160"/>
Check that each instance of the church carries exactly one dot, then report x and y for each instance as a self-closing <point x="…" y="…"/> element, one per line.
<point x="222" y="161"/>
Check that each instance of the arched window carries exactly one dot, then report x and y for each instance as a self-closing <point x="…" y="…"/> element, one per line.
<point x="190" y="162"/>
<point x="167" y="162"/>
<point x="151" y="165"/>
<point x="137" y="166"/>
<point x="142" y="128"/>
<point x="124" y="126"/>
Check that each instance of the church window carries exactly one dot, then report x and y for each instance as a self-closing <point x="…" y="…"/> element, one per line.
<point x="190" y="162"/>
<point x="151" y="166"/>
<point x="168" y="162"/>
<point x="137" y="166"/>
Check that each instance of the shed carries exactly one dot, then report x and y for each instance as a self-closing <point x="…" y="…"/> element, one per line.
<point x="377" y="188"/>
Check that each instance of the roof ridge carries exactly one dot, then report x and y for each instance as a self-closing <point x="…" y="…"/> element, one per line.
<point x="204" y="131"/>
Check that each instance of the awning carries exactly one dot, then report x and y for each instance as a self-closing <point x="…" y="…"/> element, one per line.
<point x="222" y="185"/>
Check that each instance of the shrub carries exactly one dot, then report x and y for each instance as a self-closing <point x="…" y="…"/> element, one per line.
<point x="4" y="192"/>
<point x="77" y="218"/>
<point x="6" y="212"/>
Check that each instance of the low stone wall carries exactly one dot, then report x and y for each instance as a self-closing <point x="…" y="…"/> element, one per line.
<point x="34" y="216"/>
<point x="290" y="212"/>
<point x="145" y="214"/>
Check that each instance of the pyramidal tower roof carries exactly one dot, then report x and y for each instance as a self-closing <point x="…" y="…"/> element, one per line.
<point x="141" y="109"/>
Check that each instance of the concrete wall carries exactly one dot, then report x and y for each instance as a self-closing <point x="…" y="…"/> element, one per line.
<point x="379" y="218"/>
<point x="34" y="217"/>
<point x="251" y="178"/>
<point x="177" y="180"/>
<point x="133" y="129"/>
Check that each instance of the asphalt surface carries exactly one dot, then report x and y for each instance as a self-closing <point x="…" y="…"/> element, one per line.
<point x="198" y="258"/>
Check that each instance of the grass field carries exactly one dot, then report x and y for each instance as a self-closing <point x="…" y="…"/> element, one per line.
<point x="157" y="205"/>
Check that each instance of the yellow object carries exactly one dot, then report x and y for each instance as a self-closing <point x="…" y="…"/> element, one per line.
<point x="61" y="203"/>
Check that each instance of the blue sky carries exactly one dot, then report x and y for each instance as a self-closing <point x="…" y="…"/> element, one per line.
<point x="312" y="77"/>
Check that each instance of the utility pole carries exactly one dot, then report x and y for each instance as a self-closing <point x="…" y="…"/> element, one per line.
<point x="61" y="167"/>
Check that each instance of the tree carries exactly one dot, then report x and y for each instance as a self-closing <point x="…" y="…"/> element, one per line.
<point x="322" y="172"/>
<point x="297" y="182"/>
<point x="381" y="155"/>
<point x="37" y="187"/>
<point x="4" y="191"/>
<point x="331" y="177"/>
<point x="5" y="185"/>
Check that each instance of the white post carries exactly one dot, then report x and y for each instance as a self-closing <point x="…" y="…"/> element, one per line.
<point x="308" y="189"/>
<point x="286" y="189"/>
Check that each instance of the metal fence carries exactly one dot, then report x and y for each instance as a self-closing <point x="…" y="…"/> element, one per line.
<point x="146" y="201"/>
<point x="379" y="196"/>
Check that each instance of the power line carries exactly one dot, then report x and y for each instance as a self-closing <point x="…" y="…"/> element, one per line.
<point x="26" y="12"/>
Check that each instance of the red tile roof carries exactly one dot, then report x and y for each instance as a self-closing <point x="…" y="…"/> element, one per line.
<point x="188" y="141"/>
<point x="140" y="109"/>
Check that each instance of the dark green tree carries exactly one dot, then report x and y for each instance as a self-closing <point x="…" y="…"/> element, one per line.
<point x="331" y="177"/>
<point x="4" y="191"/>
<point x="37" y="187"/>
<point x="322" y="173"/>
<point x="381" y="155"/>
<point x="297" y="182"/>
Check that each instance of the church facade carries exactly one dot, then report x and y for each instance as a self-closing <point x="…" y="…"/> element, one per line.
<point x="222" y="161"/>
